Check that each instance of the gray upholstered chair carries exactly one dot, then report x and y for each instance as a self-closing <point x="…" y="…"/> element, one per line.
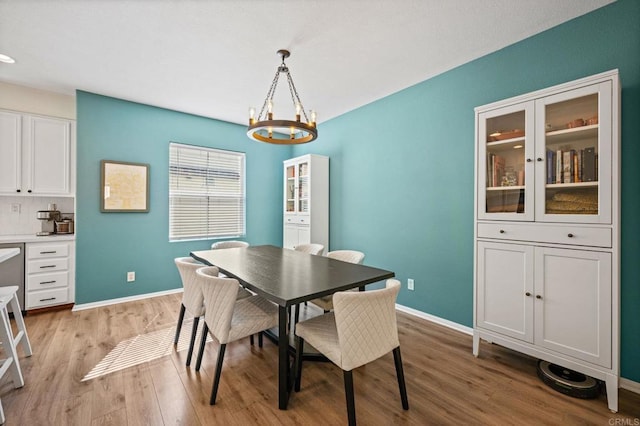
<point x="228" y="318"/>
<point x="351" y="256"/>
<point x="312" y="248"/>
<point x="192" y="298"/>
<point x="229" y="244"/>
<point x="361" y="329"/>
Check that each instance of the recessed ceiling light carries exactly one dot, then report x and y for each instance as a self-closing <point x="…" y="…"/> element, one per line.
<point x="6" y="59"/>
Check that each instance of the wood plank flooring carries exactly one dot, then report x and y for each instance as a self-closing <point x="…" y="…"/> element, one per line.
<point x="445" y="383"/>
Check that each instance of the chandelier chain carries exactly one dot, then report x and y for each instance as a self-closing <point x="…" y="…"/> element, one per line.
<point x="295" y="97"/>
<point x="270" y="93"/>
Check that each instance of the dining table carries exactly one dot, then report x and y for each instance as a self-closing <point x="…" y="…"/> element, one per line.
<point x="287" y="277"/>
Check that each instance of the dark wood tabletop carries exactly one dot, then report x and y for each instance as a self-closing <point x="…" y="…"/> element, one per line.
<point x="288" y="277"/>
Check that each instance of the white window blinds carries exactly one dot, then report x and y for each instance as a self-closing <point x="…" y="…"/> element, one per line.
<point x="206" y="193"/>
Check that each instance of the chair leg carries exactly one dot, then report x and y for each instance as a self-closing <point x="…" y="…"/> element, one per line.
<point x="216" y="379"/>
<point x="260" y="339"/>
<point x="296" y="317"/>
<point x="251" y="340"/>
<point x="194" y="331"/>
<point x="179" y="326"/>
<point x="203" y="342"/>
<point x="400" y="373"/>
<point x="299" y="349"/>
<point x="351" y="401"/>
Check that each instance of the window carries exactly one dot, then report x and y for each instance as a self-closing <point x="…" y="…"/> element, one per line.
<point x="206" y="193"/>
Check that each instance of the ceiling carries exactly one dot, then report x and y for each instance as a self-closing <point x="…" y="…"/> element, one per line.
<point x="216" y="58"/>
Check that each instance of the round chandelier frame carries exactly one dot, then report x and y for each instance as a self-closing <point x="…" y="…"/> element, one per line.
<point x="264" y="128"/>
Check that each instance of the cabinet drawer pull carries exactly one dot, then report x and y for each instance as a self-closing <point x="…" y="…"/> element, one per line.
<point x="17" y="190"/>
<point x="47" y="282"/>
<point x="47" y="266"/>
<point x="46" y="300"/>
<point x="538" y="296"/>
<point x="529" y="160"/>
<point x="502" y="231"/>
<point x="570" y="235"/>
<point x="29" y="191"/>
<point x="539" y="159"/>
<point x="527" y="294"/>
<point x="48" y="252"/>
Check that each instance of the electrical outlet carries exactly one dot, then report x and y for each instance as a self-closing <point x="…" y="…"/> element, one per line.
<point x="410" y="283"/>
<point x="131" y="276"/>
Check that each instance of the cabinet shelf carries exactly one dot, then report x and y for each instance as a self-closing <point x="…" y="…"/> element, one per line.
<point x="507" y="143"/>
<point x="505" y="188"/>
<point x="567" y="135"/>
<point x="572" y="185"/>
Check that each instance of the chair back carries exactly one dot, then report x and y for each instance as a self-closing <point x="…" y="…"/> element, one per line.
<point x="229" y="244"/>
<point x="219" y="299"/>
<point x="366" y="323"/>
<point x="351" y="256"/>
<point x="192" y="298"/>
<point x="316" y="249"/>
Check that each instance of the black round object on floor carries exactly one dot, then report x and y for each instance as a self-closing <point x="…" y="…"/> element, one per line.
<point x="567" y="381"/>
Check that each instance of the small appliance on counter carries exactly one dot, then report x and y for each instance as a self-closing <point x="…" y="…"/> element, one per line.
<point x="48" y="219"/>
<point x="65" y="225"/>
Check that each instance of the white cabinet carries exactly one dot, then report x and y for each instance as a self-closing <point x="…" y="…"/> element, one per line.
<point x="38" y="155"/>
<point x="50" y="274"/>
<point x="559" y="299"/>
<point x="306" y="201"/>
<point x="547" y="226"/>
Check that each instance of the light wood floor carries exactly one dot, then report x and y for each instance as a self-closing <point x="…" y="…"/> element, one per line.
<point x="445" y="383"/>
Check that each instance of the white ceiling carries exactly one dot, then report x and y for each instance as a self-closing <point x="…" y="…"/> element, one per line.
<point x="216" y="58"/>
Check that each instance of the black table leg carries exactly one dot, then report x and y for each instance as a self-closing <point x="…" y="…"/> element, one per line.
<point x="283" y="359"/>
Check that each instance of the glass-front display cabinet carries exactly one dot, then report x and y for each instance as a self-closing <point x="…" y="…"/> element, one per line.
<point x="547" y="159"/>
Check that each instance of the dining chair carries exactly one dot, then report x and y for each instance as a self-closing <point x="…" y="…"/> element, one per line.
<point x="229" y="244"/>
<point x="192" y="298"/>
<point x="351" y="256"/>
<point x="228" y="318"/>
<point x="312" y="248"/>
<point x="361" y="329"/>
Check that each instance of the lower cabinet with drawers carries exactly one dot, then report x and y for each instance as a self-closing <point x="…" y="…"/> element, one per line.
<point x="50" y="274"/>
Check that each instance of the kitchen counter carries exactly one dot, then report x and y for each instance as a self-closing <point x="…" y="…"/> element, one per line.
<point x="32" y="238"/>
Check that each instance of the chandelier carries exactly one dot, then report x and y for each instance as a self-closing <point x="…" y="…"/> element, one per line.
<point x="264" y="128"/>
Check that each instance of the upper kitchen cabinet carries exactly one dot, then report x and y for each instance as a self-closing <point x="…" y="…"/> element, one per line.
<point x="37" y="155"/>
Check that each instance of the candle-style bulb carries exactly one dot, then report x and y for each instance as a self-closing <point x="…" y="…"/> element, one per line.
<point x="314" y="117"/>
<point x="270" y="109"/>
<point x="252" y="115"/>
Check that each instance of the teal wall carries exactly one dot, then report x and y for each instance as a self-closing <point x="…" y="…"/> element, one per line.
<point x="401" y="173"/>
<point x="110" y="244"/>
<point x="402" y="167"/>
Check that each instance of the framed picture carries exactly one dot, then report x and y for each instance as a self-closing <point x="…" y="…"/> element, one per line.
<point x="124" y="187"/>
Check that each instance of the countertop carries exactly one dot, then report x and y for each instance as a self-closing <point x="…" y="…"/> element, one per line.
<point x="32" y="238"/>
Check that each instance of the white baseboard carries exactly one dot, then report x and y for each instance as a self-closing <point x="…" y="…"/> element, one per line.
<point x="627" y="384"/>
<point x="124" y="299"/>
<point x="450" y="324"/>
<point x="630" y="385"/>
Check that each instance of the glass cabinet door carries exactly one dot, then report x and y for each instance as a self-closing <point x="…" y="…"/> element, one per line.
<point x="290" y="189"/>
<point x="303" y="187"/>
<point x="571" y="131"/>
<point x="505" y="164"/>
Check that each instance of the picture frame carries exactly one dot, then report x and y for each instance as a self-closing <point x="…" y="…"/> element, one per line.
<point x="124" y="187"/>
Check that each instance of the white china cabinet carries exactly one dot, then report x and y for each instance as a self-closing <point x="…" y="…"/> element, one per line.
<point x="547" y="226"/>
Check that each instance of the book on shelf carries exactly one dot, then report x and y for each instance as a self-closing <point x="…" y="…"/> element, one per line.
<point x="551" y="166"/>
<point x="568" y="158"/>
<point x="589" y="165"/>
<point x="558" y="166"/>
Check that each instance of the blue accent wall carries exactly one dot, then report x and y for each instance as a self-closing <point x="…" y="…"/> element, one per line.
<point x="402" y="168"/>
<point x="401" y="173"/>
<point x="110" y="244"/>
